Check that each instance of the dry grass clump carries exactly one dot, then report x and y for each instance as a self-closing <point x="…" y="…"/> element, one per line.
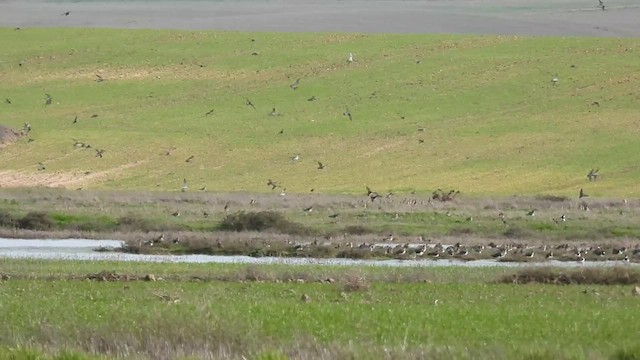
<point x="589" y="276"/>
<point x="355" y="282"/>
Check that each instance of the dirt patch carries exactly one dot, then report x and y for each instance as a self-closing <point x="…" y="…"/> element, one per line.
<point x="12" y="178"/>
<point x="8" y="135"/>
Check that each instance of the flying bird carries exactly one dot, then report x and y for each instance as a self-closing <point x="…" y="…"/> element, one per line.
<point x="99" y="153"/>
<point x="593" y="175"/>
<point x="94" y="116"/>
<point x="7" y="101"/>
<point x="320" y="165"/>
<point x="189" y="158"/>
<point x="313" y="98"/>
<point x="249" y="103"/>
<point x="295" y="157"/>
<point x="348" y="113"/>
<point x="99" y="78"/>
<point x="601" y="4"/>
<point x="272" y="184"/>
<point x="281" y="132"/>
<point x="66" y="13"/>
<point x="294" y="86"/>
<point x="209" y="112"/>
<point x="226" y="207"/>
<point x="75" y="120"/>
<point x="41" y="166"/>
<point x="582" y="194"/>
<point x="26" y="127"/>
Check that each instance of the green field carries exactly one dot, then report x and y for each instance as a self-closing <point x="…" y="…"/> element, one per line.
<point x="276" y="312"/>
<point x="493" y="123"/>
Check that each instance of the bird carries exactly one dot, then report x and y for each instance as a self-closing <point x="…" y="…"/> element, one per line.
<point x="226" y="207"/>
<point x="26" y="127"/>
<point x="563" y="218"/>
<point x="176" y="241"/>
<point x="420" y="141"/>
<point x="601" y="4"/>
<point x="41" y="166"/>
<point x="94" y="116"/>
<point x="283" y="192"/>
<point x="532" y="212"/>
<point x="593" y="174"/>
<point x="47" y="99"/>
<point x="295" y="84"/>
<point x="281" y="132"/>
<point x="75" y="120"/>
<point x="372" y="194"/>
<point x="66" y="13"/>
<point x="582" y="194"/>
<point x="350" y="59"/>
<point x="99" y="78"/>
<point x="249" y="103"/>
<point x="320" y="165"/>
<point x="99" y="153"/>
<point x="333" y="216"/>
<point x="204" y="188"/>
<point x="309" y="209"/>
<point x="189" y="158"/>
<point x="348" y="113"/>
<point x="272" y="184"/>
<point x="184" y="186"/>
<point x="313" y="98"/>
<point x="273" y="112"/>
<point x="175" y="214"/>
<point x="554" y="79"/>
<point x="8" y="101"/>
<point x="295" y="157"/>
<point x="209" y="112"/>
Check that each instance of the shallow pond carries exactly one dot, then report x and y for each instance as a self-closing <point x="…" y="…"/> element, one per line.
<point x="84" y="249"/>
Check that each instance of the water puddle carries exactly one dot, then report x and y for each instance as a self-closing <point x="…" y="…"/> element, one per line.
<point x="84" y="249"/>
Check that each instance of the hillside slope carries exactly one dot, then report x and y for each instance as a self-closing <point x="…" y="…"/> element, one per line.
<point x="476" y="113"/>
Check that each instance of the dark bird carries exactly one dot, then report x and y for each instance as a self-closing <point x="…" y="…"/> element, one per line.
<point x="249" y="103"/>
<point x="601" y="4"/>
<point x="75" y="120"/>
<point x="372" y="194"/>
<point x="99" y="153"/>
<point x="333" y="216"/>
<point x="532" y="212"/>
<point x="47" y="99"/>
<point x="294" y="86"/>
<point x="309" y="209"/>
<point x="348" y="113"/>
<point x="209" y="112"/>
<point x="7" y="101"/>
<point x="313" y="98"/>
<point x="281" y="132"/>
<point x="189" y="158"/>
<point x="593" y="174"/>
<point x="582" y="194"/>
<point x="176" y="214"/>
<point x="99" y="78"/>
<point x="94" y="116"/>
<point x="320" y="165"/>
<point x="65" y="13"/>
<point x="595" y="103"/>
<point x="204" y="188"/>
<point x="272" y="184"/>
<point x="420" y="141"/>
<point x="273" y="112"/>
<point x="30" y="140"/>
<point x="226" y="207"/>
<point x="41" y="166"/>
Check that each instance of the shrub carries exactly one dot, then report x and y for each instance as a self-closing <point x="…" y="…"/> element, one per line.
<point x="36" y="220"/>
<point x="261" y="221"/>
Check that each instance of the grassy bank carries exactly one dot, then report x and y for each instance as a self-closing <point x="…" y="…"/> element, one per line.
<point x="474" y="113"/>
<point x="359" y="315"/>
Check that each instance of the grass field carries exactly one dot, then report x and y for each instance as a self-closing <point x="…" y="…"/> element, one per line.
<point x="493" y="123"/>
<point x="361" y="313"/>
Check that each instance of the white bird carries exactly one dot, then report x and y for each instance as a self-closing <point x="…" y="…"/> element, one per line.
<point x="350" y="58"/>
<point x="555" y="79"/>
<point x="295" y="157"/>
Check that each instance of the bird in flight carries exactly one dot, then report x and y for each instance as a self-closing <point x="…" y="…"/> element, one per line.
<point x="26" y="127"/>
<point x="47" y="99"/>
<point x="7" y="101"/>
<point x="372" y="194"/>
<point x="66" y="13"/>
<point x="272" y="184"/>
<point x="582" y="194"/>
<point x="313" y="98"/>
<point x="320" y="165"/>
<point x="41" y="166"/>
<point x="209" y="112"/>
<point x="348" y="113"/>
<point x="295" y="157"/>
<point x="99" y="78"/>
<point x="189" y="158"/>
<point x="601" y="4"/>
<point x="75" y="120"/>
<point x="281" y="132"/>
<point x="99" y="153"/>
<point x="249" y="103"/>
<point x="593" y="175"/>
<point x="294" y="86"/>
